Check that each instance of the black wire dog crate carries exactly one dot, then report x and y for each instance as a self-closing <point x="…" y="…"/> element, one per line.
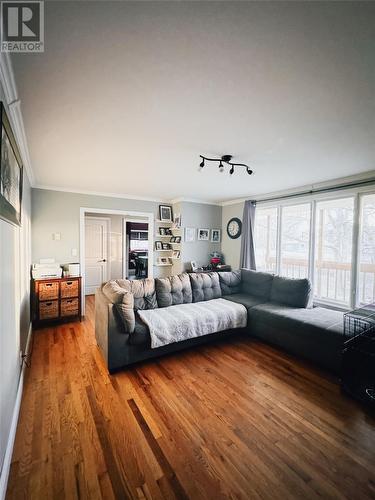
<point x="358" y="371"/>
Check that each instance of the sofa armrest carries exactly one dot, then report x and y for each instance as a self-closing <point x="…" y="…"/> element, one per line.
<point x="112" y="341"/>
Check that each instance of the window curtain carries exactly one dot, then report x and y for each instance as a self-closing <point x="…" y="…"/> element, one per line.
<point x="247" y="256"/>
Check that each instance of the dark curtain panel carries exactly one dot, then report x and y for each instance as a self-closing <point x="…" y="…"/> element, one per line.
<point x="247" y="256"/>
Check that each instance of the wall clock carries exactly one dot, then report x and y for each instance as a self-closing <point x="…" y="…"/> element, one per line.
<point x="234" y="228"/>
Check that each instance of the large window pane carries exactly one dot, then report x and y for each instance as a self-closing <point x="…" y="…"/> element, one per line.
<point x="333" y="251"/>
<point x="265" y="236"/>
<point x="295" y="240"/>
<point x="366" y="291"/>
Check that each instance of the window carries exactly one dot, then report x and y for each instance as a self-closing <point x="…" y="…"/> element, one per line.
<point x="366" y="281"/>
<point x="265" y="235"/>
<point x="295" y="241"/>
<point x="333" y="250"/>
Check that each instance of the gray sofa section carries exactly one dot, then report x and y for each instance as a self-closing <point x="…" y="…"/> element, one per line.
<point x="279" y="312"/>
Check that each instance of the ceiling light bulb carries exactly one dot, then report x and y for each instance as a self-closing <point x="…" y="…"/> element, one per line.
<point x="249" y="171"/>
<point x="201" y="164"/>
<point x="231" y="171"/>
<point x="221" y="167"/>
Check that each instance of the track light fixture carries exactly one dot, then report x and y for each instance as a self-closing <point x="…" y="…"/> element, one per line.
<point x="224" y="159"/>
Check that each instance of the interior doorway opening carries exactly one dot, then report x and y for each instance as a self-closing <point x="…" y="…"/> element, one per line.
<point x="136" y="246"/>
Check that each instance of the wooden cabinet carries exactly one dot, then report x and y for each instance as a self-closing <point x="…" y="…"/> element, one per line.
<point x="56" y="299"/>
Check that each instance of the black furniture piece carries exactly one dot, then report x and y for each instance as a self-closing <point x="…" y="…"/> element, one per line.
<point x="358" y="368"/>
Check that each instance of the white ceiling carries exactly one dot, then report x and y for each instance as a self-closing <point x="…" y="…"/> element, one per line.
<point x="127" y="95"/>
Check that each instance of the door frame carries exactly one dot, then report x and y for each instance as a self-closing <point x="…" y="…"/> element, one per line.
<point x="124" y="254"/>
<point x="124" y="213"/>
<point x="108" y="221"/>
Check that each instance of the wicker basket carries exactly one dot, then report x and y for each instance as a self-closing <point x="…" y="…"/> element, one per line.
<point x="49" y="291"/>
<point x="69" y="289"/>
<point x="69" y="307"/>
<point x="49" y="310"/>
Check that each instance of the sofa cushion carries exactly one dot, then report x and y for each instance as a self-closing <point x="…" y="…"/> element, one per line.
<point x="291" y="292"/>
<point x="113" y="291"/>
<point x="143" y="291"/>
<point x="245" y="299"/>
<point x="173" y="290"/>
<point x="230" y="282"/>
<point x="316" y="334"/>
<point x="126" y="312"/>
<point x="205" y="286"/>
<point x="256" y="283"/>
<point x="141" y="333"/>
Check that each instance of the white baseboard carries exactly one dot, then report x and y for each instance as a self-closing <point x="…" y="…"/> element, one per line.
<point x="13" y="428"/>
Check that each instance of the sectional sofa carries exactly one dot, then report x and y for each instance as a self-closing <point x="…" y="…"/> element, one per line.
<point x="279" y="311"/>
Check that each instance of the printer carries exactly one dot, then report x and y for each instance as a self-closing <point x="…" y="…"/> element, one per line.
<point x="46" y="271"/>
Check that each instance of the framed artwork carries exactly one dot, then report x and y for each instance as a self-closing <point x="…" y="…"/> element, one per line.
<point x="162" y="231"/>
<point x="11" y="173"/>
<point x="203" y="234"/>
<point x="177" y="239"/>
<point x="158" y="245"/>
<point x="165" y="212"/>
<point x="176" y="254"/>
<point x="163" y="261"/>
<point x="189" y="234"/>
<point x="173" y="239"/>
<point x="215" y="235"/>
<point x="166" y="246"/>
<point x="193" y="265"/>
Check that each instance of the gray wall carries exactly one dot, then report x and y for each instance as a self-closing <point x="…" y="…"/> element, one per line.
<point x="58" y="212"/>
<point x="231" y="248"/>
<point x="14" y="308"/>
<point x="199" y="215"/>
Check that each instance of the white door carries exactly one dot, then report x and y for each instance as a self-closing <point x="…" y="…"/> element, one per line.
<point x="96" y="252"/>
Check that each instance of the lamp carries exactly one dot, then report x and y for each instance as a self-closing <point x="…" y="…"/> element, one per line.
<point x="224" y="159"/>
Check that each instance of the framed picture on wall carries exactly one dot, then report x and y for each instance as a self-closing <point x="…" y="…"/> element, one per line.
<point x="158" y="245"/>
<point x="215" y="235"/>
<point x="11" y="173"/>
<point x="203" y="234"/>
<point x="165" y="212"/>
<point x="189" y="234"/>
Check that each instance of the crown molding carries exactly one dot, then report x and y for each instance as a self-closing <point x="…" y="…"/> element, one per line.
<point x="14" y="111"/>
<point x="100" y="193"/>
<point x="333" y="183"/>
<point x="195" y="200"/>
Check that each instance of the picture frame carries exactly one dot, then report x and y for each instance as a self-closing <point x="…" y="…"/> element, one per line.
<point x="215" y="235"/>
<point x="203" y="234"/>
<point x="158" y="245"/>
<point x="162" y="231"/>
<point x="166" y="246"/>
<point x="163" y="261"/>
<point x="173" y="239"/>
<point x="176" y="254"/>
<point x="189" y="234"/>
<point x="11" y="173"/>
<point x="177" y="239"/>
<point x="193" y="265"/>
<point x="165" y="213"/>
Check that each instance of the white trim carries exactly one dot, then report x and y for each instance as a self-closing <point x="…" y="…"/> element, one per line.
<point x="15" y="114"/>
<point x="147" y="215"/>
<point x="195" y="200"/>
<point x="13" y="427"/>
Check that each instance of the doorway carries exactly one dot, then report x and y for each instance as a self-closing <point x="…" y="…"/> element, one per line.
<point x="117" y="256"/>
<point x="136" y="248"/>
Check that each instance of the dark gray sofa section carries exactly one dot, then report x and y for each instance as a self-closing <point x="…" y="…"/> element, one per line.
<point x="279" y="312"/>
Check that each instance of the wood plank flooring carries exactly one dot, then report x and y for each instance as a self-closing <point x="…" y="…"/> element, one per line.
<point x="234" y="419"/>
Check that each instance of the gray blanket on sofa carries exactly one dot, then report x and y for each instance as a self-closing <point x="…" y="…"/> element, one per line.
<point x="185" y="321"/>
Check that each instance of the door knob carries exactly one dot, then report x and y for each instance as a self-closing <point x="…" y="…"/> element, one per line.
<point x="103" y="260"/>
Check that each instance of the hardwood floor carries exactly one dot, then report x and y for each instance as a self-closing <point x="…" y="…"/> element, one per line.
<point x="234" y="419"/>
